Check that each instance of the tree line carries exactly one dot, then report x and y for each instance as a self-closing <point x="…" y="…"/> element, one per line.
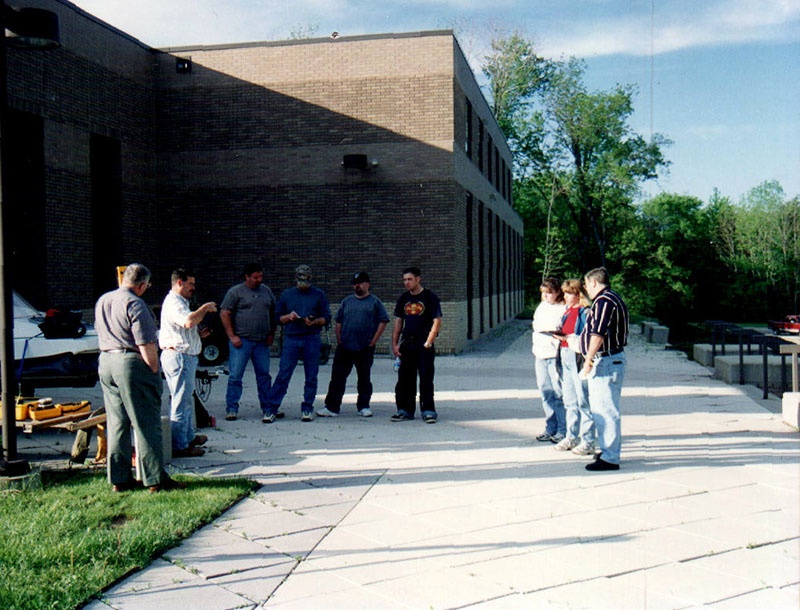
<point x="579" y="169"/>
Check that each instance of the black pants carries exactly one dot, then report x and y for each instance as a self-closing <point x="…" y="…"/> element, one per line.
<point x="415" y="360"/>
<point x="343" y="362"/>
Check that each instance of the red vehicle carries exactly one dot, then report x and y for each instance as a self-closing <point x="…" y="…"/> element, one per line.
<point x="790" y="325"/>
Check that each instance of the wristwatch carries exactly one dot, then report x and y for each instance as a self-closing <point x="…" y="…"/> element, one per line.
<point x="428" y="345"/>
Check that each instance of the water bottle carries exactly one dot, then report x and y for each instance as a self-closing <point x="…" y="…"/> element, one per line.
<point x="397" y="364"/>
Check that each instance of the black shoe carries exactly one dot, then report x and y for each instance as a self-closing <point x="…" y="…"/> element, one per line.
<point x="401" y="416"/>
<point x="599" y="464"/>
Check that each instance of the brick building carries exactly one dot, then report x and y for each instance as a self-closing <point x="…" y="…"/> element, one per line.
<point x="367" y="152"/>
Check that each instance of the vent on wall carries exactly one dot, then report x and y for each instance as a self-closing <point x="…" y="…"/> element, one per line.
<point x="355" y="162"/>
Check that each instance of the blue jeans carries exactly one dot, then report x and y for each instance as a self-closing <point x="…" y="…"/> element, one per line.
<point x="179" y="370"/>
<point x="605" y="387"/>
<point x="258" y="352"/>
<point x="548" y="378"/>
<point x="294" y="346"/>
<point x="580" y="423"/>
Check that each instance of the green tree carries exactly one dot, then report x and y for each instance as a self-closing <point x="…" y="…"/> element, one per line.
<point x="668" y="267"/>
<point x="759" y="241"/>
<point x="575" y="148"/>
<point x="515" y="74"/>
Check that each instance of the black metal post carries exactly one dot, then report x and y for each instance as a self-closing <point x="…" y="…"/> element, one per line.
<point x="30" y="28"/>
<point x="9" y="385"/>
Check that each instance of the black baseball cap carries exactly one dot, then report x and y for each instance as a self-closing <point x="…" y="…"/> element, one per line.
<point x="361" y="276"/>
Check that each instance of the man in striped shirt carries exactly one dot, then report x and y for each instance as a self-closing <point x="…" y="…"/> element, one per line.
<point x="602" y="343"/>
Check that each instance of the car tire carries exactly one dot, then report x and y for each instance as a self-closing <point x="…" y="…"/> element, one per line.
<point x="213" y="354"/>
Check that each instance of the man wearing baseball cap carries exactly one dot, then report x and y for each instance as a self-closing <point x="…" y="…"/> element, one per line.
<point x="303" y="311"/>
<point x="360" y="322"/>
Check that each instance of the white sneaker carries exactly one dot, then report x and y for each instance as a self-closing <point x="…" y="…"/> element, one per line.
<point x="366" y="412"/>
<point x="325" y="412"/>
<point x="566" y="444"/>
<point x="584" y="449"/>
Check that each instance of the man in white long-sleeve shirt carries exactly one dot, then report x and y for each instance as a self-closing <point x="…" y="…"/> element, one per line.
<point x="179" y="340"/>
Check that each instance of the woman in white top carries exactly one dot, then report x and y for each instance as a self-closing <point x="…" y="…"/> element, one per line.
<point x="546" y="321"/>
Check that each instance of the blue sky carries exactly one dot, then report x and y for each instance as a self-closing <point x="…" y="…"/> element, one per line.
<point x="725" y="73"/>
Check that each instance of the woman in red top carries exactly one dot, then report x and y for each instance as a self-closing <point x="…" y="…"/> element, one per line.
<point x="580" y="425"/>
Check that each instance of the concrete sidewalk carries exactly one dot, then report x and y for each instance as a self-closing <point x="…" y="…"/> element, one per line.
<point x="473" y="512"/>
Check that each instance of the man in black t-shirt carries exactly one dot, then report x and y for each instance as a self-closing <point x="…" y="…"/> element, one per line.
<point x="418" y="319"/>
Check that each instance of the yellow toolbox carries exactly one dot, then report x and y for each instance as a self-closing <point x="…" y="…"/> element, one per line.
<point x="69" y="408"/>
<point x="38" y="412"/>
<point x="22" y="405"/>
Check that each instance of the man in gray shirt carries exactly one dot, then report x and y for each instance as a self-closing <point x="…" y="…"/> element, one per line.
<point x="247" y="313"/>
<point x="128" y="371"/>
<point x="360" y="322"/>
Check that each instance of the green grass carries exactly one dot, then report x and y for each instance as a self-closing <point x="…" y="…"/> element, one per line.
<point x="63" y="544"/>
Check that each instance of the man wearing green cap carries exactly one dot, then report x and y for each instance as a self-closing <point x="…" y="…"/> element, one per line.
<point x="303" y="311"/>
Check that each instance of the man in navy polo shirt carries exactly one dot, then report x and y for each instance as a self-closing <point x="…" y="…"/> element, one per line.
<point x="360" y="322"/>
<point x="602" y="344"/>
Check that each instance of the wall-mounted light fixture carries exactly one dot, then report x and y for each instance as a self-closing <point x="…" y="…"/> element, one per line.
<point x="358" y="161"/>
<point x="183" y="65"/>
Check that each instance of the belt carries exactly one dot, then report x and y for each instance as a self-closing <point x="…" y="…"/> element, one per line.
<point x="121" y="350"/>
<point x="612" y="352"/>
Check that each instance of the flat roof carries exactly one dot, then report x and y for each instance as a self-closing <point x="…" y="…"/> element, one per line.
<point x="298" y="41"/>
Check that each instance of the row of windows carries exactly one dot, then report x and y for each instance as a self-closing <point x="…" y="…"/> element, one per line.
<point x="499" y="264"/>
<point x="495" y="168"/>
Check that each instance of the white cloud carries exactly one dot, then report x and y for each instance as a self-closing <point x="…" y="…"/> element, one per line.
<point x="675" y="27"/>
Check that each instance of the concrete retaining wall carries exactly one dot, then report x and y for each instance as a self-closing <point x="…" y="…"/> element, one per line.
<point x="653" y="332"/>
<point x="726" y="368"/>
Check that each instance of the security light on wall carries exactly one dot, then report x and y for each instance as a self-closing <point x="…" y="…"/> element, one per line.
<point x="183" y="65"/>
<point x="355" y="161"/>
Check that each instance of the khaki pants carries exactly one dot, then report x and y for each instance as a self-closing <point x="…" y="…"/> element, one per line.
<point x="132" y="394"/>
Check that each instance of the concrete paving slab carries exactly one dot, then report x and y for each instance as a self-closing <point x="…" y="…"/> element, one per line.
<point x="164" y="585"/>
<point x="448" y="588"/>
<point x="309" y="588"/>
<point x="212" y="551"/>
<point x="297" y="544"/>
<point x="788" y="597"/>
<point x="691" y="584"/>
<point x="257" y="584"/>
<point x="768" y="565"/>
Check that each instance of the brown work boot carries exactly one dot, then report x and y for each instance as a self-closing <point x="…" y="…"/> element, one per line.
<point x="199" y="439"/>
<point x="167" y="484"/>
<point x="188" y="452"/>
<point x="129" y="486"/>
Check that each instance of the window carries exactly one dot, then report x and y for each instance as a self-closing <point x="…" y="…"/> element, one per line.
<point x="106" y="176"/>
<point x="480" y="145"/>
<point x="469" y="266"/>
<point x="468" y="131"/>
<point x="489" y="155"/>
<point x="481" y="267"/>
<point x="25" y="204"/>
